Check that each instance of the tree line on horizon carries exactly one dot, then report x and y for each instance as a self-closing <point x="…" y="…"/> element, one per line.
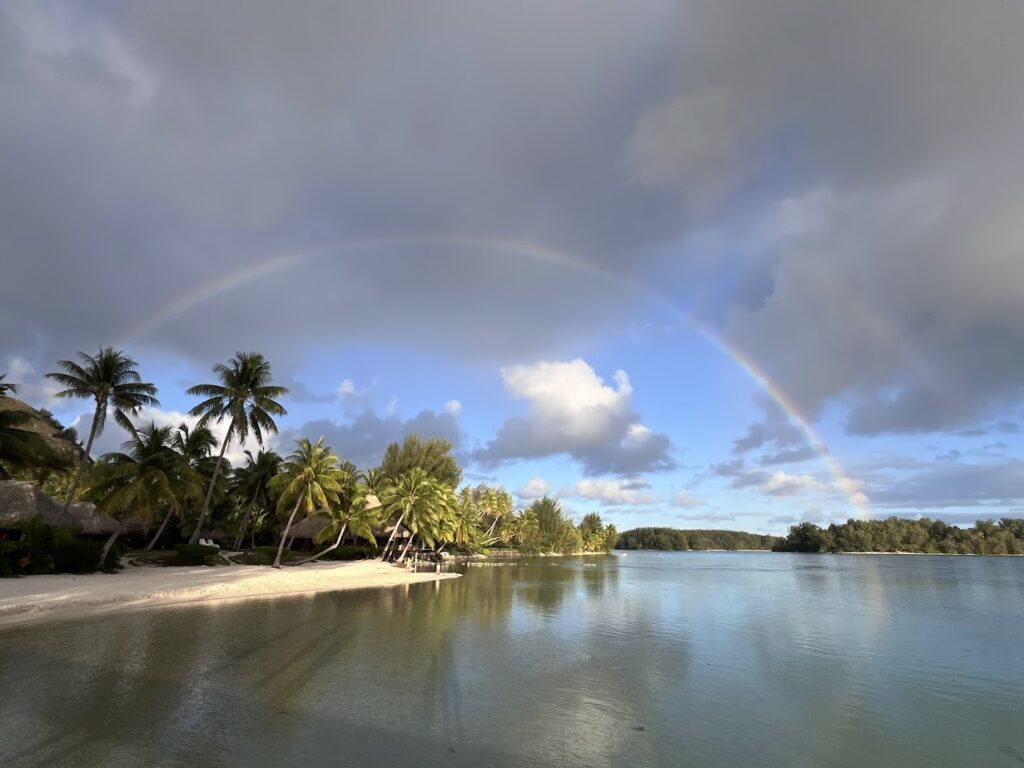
<point x="895" y="534"/>
<point x="677" y="539"/>
<point x="179" y="481"/>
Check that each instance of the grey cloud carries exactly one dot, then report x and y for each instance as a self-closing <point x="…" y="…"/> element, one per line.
<point x="740" y="476"/>
<point x="998" y="484"/>
<point x="838" y="185"/>
<point x="774" y="433"/>
<point x="897" y="279"/>
<point x="362" y="439"/>
<point x="157" y="148"/>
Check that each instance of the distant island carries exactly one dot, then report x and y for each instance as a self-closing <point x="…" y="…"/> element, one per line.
<point x="894" y="534"/>
<point x="675" y="539"/>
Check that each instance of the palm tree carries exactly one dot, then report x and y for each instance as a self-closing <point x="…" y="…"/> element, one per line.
<point x="466" y="527"/>
<point x="143" y="478"/>
<point x="251" y="481"/>
<point x="6" y="386"/>
<point x="110" y="379"/>
<point x="193" y="448"/>
<point x="360" y="518"/>
<point x="420" y="503"/>
<point x="195" y="444"/>
<point x="312" y="479"/>
<point x="245" y="396"/>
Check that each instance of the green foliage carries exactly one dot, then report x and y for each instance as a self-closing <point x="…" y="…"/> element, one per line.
<point x="899" y="535"/>
<point x="244" y="396"/>
<point x="46" y="549"/>
<point x="109" y="379"/>
<point x="264" y="555"/>
<point x="676" y="539"/>
<point x="543" y="528"/>
<point x="147" y="478"/>
<point x="423" y="505"/>
<point x="351" y="552"/>
<point x="195" y="554"/>
<point x="433" y="456"/>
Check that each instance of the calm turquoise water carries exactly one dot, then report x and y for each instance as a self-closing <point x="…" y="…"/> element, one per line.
<point x="681" y="659"/>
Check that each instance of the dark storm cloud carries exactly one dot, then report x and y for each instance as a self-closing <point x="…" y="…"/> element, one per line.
<point x="838" y="184"/>
<point x="887" y="141"/>
<point x="156" y="147"/>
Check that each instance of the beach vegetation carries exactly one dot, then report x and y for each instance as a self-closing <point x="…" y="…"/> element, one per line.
<point x="111" y="381"/>
<point x="246" y="398"/>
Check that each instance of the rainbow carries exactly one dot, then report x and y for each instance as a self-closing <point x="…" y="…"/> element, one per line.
<point x="287" y="260"/>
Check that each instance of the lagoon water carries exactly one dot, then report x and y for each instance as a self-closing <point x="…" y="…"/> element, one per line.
<point x="654" y="659"/>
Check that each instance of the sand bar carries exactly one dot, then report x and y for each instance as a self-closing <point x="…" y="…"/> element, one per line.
<point x="33" y="599"/>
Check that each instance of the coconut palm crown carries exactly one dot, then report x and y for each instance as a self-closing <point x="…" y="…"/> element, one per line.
<point x="244" y="396"/>
<point x="111" y="380"/>
<point x="311" y="480"/>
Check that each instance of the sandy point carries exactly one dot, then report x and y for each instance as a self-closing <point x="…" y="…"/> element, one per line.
<point x="35" y="599"/>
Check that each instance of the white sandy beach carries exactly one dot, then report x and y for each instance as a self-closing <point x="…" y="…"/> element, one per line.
<point x="42" y="598"/>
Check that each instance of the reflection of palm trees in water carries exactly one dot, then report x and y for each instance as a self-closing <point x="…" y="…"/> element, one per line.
<point x="442" y="696"/>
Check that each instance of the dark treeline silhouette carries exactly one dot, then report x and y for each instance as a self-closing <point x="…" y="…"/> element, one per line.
<point x="987" y="537"/>
<point x="676" y="539"/>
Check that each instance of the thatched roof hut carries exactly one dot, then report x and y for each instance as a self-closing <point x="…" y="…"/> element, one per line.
<point x="21" y="500"/>
<point x="309" y="527"/>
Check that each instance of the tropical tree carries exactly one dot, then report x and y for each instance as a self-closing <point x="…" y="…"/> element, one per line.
<point x="110" y="380"/>
<point x="245" y="397"/>
<point x="362" y="514"/>
<point x="192" y="448"/>
<point x="494" y="504"/>
<point x="466" y="521"/>
<point x="423" y="505"/>
<point x="196" y="444"/>
<point x="433" y="456"/>
<point x="6" y="386"/>
<point x="252" y="482"/>
<point x="145" y="477"/>
<point x="310" y="478"/>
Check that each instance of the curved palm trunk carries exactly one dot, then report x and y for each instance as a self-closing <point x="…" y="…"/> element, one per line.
<point x="406" y="549"/>
<point x="284" y="536"/>
<point x="110" y="543"/>
<point x="331" y="548"/>
<point x="248" y="514"/>
<point x="83" y="463"/>
<point x="387" y="547"/>
<point x="159" y="533"/>
<point x="209" y="491"/>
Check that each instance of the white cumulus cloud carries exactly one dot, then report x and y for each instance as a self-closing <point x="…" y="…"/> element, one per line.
<point x="573" y="411"/>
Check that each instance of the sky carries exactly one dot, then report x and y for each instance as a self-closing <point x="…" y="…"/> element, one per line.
<point x="733" y="264"/>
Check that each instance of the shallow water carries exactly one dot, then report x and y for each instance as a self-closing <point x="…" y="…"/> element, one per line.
<point x="666" y="659"/>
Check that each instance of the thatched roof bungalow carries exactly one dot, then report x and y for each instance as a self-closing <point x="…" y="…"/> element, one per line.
<point x="21" y="500"/>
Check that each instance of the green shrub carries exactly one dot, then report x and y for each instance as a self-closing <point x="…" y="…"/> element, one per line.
<point x="260" y="556"/>
<point x="194" y="554"/>
<point x="351" y="552"/>
<point x="43" y="548"/>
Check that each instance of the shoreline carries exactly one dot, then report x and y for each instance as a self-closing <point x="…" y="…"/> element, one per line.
<point x="31" y="600"/>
